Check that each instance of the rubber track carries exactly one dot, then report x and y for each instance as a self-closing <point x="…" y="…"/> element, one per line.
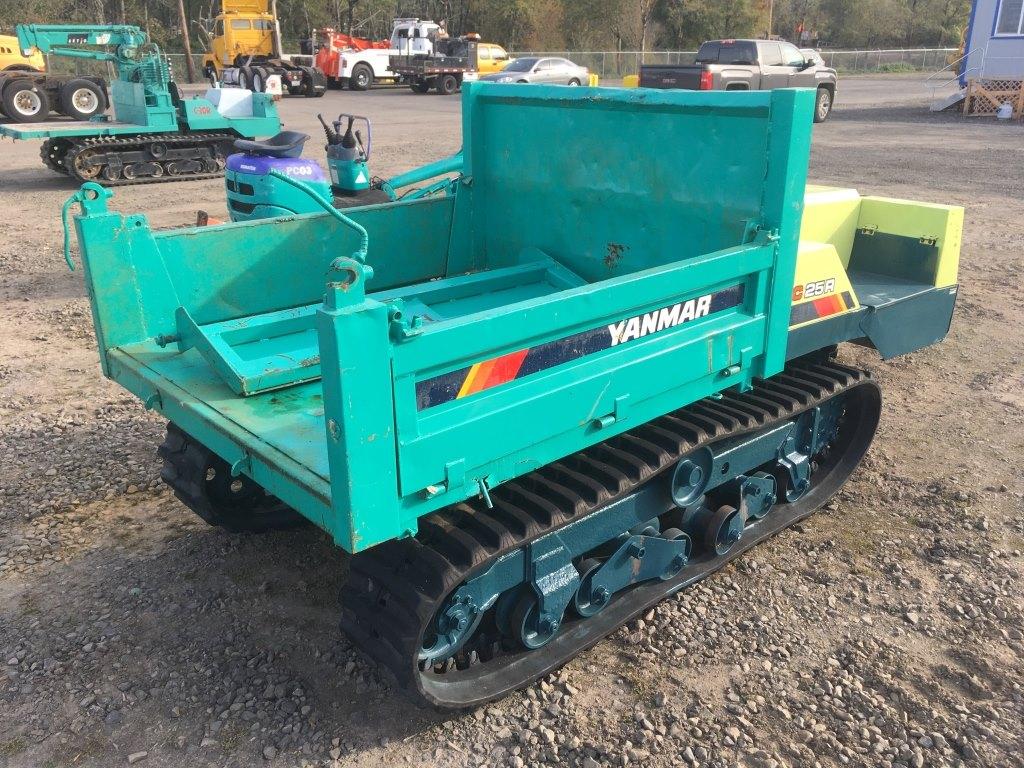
<point x="44" y="155"/>
<point x="136" y="142"/>
<point x="395" y="589"/>
<point x="185" y="465"/>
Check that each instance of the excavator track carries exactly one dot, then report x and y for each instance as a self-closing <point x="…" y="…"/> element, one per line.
<point x="395" y="590"/>
<point x="115" y="161"/>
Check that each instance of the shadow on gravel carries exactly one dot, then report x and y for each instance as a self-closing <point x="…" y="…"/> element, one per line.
<point x="58" y="284"/>
<point x="895" y="114"/>
<point x="40" y="179"/>
<point x="227" y="645"/>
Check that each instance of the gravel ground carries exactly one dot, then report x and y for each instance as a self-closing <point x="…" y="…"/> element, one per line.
<point x="887" y="630"/>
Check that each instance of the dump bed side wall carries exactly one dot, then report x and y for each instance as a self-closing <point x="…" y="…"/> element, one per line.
<point x="710" y="213"/>
<point x="138" y="278"/>
<point x="609" y="187"/>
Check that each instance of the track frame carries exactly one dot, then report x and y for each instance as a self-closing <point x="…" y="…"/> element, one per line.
<point x="395" y="590"/>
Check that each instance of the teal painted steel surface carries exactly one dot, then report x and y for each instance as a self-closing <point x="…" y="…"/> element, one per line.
<point x="575" y="285"/>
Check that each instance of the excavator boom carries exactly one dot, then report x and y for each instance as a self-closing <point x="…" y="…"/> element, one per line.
<point x="50" y="38"/>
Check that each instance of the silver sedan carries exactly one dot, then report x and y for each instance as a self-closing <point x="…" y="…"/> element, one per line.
<point x="535" y="69"/>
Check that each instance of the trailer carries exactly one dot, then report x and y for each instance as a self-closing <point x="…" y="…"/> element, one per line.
<point x="592" y="378"/>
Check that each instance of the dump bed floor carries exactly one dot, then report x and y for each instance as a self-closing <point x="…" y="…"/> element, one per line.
<point x="290" y="420"/>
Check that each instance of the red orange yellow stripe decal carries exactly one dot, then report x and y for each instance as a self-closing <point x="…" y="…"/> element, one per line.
<point x="487" y="374"/>
<point x="816" y="309"/>
<point x="490" y="373"/>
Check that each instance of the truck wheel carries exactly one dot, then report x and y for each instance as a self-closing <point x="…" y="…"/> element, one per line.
<point x="822" y="105"/>
<point x="362" y="78"/>
<point x="259" y="79"/>
<point x="245" y="78"/>
<point x="447" y="85"/>
<point x="24" y="102"/>
<point x="82" y="99"/>
<point x="420" y="86"/>
<point x="309" y="89"/>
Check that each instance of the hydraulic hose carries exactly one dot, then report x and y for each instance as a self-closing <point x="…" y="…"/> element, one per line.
<point x="364" y="237"/>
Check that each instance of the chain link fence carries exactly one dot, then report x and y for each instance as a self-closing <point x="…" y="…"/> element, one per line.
<point x="65" y="65"/>
<point x="614" y="65"/>
<point x="617" y="64"/>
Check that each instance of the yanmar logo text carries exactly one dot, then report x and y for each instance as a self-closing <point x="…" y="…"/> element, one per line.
<point x="522" y="363"/>
<point x="660" y="319"/>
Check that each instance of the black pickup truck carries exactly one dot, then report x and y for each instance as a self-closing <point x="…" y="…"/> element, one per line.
<point x="754" y="65"/>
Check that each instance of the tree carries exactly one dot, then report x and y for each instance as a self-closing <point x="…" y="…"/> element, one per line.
<point x="686" y="24"/>
<point x="548" y="24"/>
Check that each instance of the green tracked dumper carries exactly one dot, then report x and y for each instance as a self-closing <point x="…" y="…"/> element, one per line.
<point x="531" y="409"/>
<point x="154" y="135"/>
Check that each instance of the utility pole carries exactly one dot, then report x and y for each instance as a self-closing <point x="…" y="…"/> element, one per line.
<point x="771" y="11"/>
<point x="189" y="66"/>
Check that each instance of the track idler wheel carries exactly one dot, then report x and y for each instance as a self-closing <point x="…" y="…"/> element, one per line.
<point x="452" y="626"/>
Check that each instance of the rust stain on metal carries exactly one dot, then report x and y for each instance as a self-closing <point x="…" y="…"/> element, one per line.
<point x="613" y="254"/>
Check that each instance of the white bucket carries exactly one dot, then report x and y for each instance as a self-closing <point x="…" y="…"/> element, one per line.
<point x="1005" y="111"/>
<point x="273" y="86"/>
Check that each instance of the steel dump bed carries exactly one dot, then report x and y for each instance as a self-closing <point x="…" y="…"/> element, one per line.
<point x="573" y="286"/>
